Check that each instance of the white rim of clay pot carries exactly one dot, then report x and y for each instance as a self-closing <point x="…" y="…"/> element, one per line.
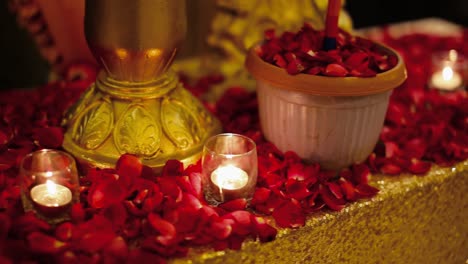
<point x="324" y="85"/>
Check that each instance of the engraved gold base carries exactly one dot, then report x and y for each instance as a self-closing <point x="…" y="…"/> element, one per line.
<point x="157" y="121"/>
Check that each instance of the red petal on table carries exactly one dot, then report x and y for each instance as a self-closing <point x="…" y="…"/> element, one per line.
<point x="117" y="214"/>
<point x="221" y="228"/>
<point x="193" y="168"/>
<point x="219" y="245"/>
<point x="366" y="191"/>
<point x="335" y="70"/>
<point x="169" y="187"/>
<point x="28" y="223"/>
<point x="135" y="210"/>
<point x="296" y="171"/>
<point x="166" y="230"/>
<point x="348" y="189"/>
<point x="361" y="173"/>
<point x="150" y="204"/>
<point x="234" y="205"/>
<point x="390" y="169"/>
<point x="139" y="255"/>
<point x="397" y="113"/>
<point x="48" y="137"/>
<point x="242" y="221"/>
<point x="132" y="228"/>
<point x="191" y="201"/>
<point x="116" y="251"/>
<point x="195" y="180"/>
<point x="42" y="243"/>
<point x="77" y="213"/>
<point x="185" y="184"/>
<point x="94" y="241"/>
<point x="289" y="214"/>
<point x="235" y="242"/>
<point x="335" y="189"/>
<point x="141" y="196"/>
<point x="207" y="213"/>
<point x="274" y="180"/>
<point x="414" y="148"/>
<point x="264" y="231"/>
<point x="128" y="167"/>
<point x="187" y="219"/>
<point x="64" y="231"/>
<point x="106" y="193"/>
<point x="330" y="200"/>
<point x="391" y="149"/>
<point x="419" y="167"/>
<point x="173" y="168"/>
<point x="260" y="196"/>
<point x="297" y="189"/>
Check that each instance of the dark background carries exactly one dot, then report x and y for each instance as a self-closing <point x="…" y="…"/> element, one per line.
<point x="22" y="66"/>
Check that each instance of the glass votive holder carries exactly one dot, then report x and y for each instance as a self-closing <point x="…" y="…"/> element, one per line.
<point x="229" y="168"/>
<point x="49" y="184"/>
<point x="448" y="71"/>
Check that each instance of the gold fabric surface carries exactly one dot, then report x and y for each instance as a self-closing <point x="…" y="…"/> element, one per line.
<point x="414" y="219"/>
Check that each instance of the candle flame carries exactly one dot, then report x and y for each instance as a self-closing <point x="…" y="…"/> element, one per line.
<point x="51" y="187"/>
<point x="447" y="73"/>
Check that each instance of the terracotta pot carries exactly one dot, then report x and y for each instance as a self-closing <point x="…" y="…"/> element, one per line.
<point x="335" y="121"/>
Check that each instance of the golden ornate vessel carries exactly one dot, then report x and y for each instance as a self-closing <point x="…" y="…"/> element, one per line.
<point x="137" y="104"/>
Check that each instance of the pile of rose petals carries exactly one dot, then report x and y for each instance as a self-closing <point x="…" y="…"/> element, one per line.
<point x="130" y="214"/>
<point x="423" y="126"/>
<point x="302" y="52"/>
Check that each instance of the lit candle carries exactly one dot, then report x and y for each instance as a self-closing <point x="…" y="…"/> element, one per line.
<point x="51" y="198"/>
<point x="230" y="180"/>
<point x="447" y="79"/>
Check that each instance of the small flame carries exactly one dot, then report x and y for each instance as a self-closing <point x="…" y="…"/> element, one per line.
<point x="447" y="73"/>
<point x="51" y="187"/>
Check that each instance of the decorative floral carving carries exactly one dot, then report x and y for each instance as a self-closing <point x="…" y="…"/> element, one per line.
<point x="94" y="125"/>
<point x="137" y="132"/>
<point x="80" y="105"/>
<point x="180" y="123"/>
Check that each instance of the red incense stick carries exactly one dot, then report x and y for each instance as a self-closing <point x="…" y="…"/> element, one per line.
<point x="331" y="24"/>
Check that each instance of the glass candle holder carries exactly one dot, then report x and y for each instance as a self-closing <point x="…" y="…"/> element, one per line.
<point x="49" y="184"/>
<point x="229" y="166"/>
<point x="448" y="71"/>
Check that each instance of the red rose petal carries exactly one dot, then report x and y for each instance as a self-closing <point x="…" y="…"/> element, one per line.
<point x="366" y="191"/>
<point x="173" y="168"/>
<point x="64" y="231"/>
<point x="48" y="137"/>
<point x="390" y="169"/>
<point x="116" y="251"/>
<point x="41" y="243"/>
<point x="335" y="70"/>
<point x="234" y="205"/>
<point x="128" y="167"/>
<point x="330" y="200"/>
<point x="297" y="189"/>
<point x="264" y="231"/>
<point x="242" y="221"/>
<point x="221" y="228"/>
<point x="419" y="167"/>
<point x="166" y="230"/>
<point x="289" y="214"/>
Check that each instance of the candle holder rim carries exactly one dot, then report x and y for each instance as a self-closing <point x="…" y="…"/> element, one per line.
<point x="50" y="172"/>
<point x="254" y="146"/>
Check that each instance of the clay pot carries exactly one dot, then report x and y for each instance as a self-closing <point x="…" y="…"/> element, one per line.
<point x="335" y="121"/>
